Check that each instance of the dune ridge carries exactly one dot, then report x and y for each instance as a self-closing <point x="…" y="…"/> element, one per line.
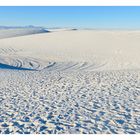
<point x="14" y="32"/>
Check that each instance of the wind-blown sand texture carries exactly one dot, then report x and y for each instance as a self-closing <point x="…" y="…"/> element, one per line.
<point x="70" y="81"/>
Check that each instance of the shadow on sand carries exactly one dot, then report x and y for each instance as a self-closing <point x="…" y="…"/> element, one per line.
<point x="5" y="66"/>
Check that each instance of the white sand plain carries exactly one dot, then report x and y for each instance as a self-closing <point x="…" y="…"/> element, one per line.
<point x="70" y="81"/>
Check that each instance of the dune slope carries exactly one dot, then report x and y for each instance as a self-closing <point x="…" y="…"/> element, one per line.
<point x="74" y="50"/>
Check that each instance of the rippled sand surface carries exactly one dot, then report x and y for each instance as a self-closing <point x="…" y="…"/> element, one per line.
<point x="72" y="102"/>
<point x="70" y="82"/>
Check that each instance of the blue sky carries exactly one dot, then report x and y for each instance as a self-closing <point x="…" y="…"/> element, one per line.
<point x="77" y="17"/>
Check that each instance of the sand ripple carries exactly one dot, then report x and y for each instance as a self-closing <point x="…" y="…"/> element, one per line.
<point x="64" y="102"/>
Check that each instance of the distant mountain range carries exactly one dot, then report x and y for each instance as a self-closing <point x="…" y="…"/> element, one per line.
<point x="13" y="27"/>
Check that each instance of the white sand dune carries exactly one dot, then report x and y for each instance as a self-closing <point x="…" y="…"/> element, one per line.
<point x="80" y="49"/>
<point x="70" y="81"/>
<point x="13" y="32"/>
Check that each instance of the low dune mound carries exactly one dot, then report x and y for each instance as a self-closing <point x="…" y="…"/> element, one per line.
<point x="14" y="32"/>
<point x="29" y="63"/>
